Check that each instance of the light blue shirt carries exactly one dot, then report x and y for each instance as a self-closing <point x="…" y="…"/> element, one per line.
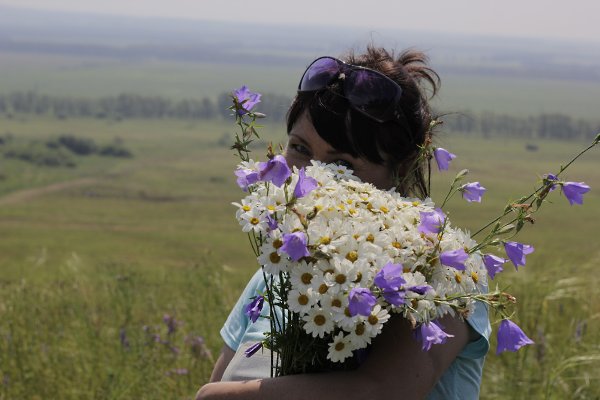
<point x="461" y="380"/>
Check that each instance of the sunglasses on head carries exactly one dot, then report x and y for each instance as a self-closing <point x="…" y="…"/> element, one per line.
<point x="368" y="91"/>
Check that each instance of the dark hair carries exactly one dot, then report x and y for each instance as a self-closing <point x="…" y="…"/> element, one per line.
<point x="395" y="143"/>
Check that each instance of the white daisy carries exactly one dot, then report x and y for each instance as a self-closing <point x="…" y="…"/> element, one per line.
<point x="318" y="322"/>
<point x="340" y="349"/>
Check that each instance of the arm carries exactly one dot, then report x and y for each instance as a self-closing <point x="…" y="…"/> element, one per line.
<point x="396" y="364"/>
<point x="222" y="363"/>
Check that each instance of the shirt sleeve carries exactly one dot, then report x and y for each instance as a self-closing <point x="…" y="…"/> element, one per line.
<point x="480" y="323"/>
<point x="235" y="326"/>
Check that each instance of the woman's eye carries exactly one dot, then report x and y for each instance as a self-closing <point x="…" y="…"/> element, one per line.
<point x="298" y="148"/>
<point x="344" y="163"/>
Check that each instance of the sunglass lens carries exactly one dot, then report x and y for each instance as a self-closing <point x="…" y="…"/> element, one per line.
<point x="372" y="93"/>
<point x="319" y="74"/>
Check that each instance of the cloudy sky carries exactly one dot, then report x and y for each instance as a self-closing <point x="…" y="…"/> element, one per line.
<point x="574" y="19"/>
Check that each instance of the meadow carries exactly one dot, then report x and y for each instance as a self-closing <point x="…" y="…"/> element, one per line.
<point x="118" y="273"/>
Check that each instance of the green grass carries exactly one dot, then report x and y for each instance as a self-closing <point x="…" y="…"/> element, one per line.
<point x="96" y="77"/>
<point x="155" y="235"/>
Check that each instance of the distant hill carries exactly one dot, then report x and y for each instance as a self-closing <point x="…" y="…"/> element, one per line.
<point x="131" y="38"/>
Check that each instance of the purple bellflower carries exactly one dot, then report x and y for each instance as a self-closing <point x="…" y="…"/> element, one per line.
<point x="271" y="223"/>
<point x="443" y="158"/>
<point x="516" y="252"/>
<point x="472" y="192"/>
<point x="493" y="264"/>
<point x="550" y="178"/>
<point x="510" y="337"/>
<point x="390" y="276"/>
<point x="430" y="333"/>
<point x="254" y="308"/>
<point x="361" y="301"/>
<point x="389" y="280"/>
<point x="305" y="185"/>
<point x="246" y="99"/>
<point x="574" y="191"/>
<point x="275" y="170"/>
<point x="250" y="351"/>
<point x="245" y="178"/>
<point x="294" y="245"/>
<point x="420" y="289"/>
<point x="432" y="221"/>
<point x="454" y="258"/>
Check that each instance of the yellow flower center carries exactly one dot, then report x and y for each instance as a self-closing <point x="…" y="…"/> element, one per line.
<point x="415" y="203"/>
<point x="271" y="208"/>
<point x="384" y="209"/>
<point x="352" y="256"/>
<point x="360" y="329"/>
<point x="303" y="299"/>
<point x="325" y="240"/>
<point x="306" y="278"/>
<point x="319" y="320"/>
<point x="323" y="288"/>
<point x="370" y="238"/>
<point x="474" y="276"/>
<point x="254" y="221"/>
<point x="358" y="278"/>
<point x="339" y="346"/>
<point x="277" y="243"/>
<point x="397" y="245"/>
<point x="336" y="303"/>
<point x="274" y="257"/>
<point x="373" y="320"/>
<point x="340" y="279"/>
<point x="457" y="278"/>
<point x="246" y="208"/>
<point x="347" y="312"/>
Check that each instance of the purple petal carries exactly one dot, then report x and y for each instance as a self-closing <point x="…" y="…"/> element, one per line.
<point x="432" y="221"/>
<point x="430" y="333"/>
<point x="390" y="277"/>
<point x="443" y="158"/>
<point x="454" y="258"/>
<point x="246" y="177"/>
<point x="493" y="264"/>
<point x="250" y="351"/>
<point x="516" y="252"/>
<point x="549" y="178"/>
<point x="246" y="99"/>
<point x="305" y="185"/>
<point x="271" y="223"/>
<point x="420" y="289"/>
<point x="510" y="337"/>
<point x="361" y="301"/>
<point x="275" y="170"/>
<point x="472" y="192"/>
<point x="254" y="308"/>
<point x="396" y="297"/>
<point x="294" y="245"/>
<point x="574" y="191"/>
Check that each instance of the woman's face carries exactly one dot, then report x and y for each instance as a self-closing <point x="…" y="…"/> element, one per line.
<point x="305" y="144"/>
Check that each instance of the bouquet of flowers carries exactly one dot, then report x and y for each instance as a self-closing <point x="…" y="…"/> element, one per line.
<point x="340" y="256"/>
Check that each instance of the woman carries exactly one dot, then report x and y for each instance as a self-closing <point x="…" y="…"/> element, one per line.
<point x="369" y="113"/>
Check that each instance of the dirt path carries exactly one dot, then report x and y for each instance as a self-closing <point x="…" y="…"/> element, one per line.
<point x="29" y="194"/>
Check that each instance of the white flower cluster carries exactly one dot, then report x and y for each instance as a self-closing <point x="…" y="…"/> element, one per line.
<point x="352" y="231"/>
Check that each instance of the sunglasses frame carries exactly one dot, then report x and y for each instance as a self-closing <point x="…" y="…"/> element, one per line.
<point x="343" y="73"/>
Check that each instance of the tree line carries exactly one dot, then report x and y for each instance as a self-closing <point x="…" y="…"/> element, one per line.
<point x="125" y="106"/>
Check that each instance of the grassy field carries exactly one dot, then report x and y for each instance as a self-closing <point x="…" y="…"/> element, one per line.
<point x="96" y="77"/>
<point x="117" y="274"/>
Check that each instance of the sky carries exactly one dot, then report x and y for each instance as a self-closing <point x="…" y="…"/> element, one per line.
<point x="574" y="19"/>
